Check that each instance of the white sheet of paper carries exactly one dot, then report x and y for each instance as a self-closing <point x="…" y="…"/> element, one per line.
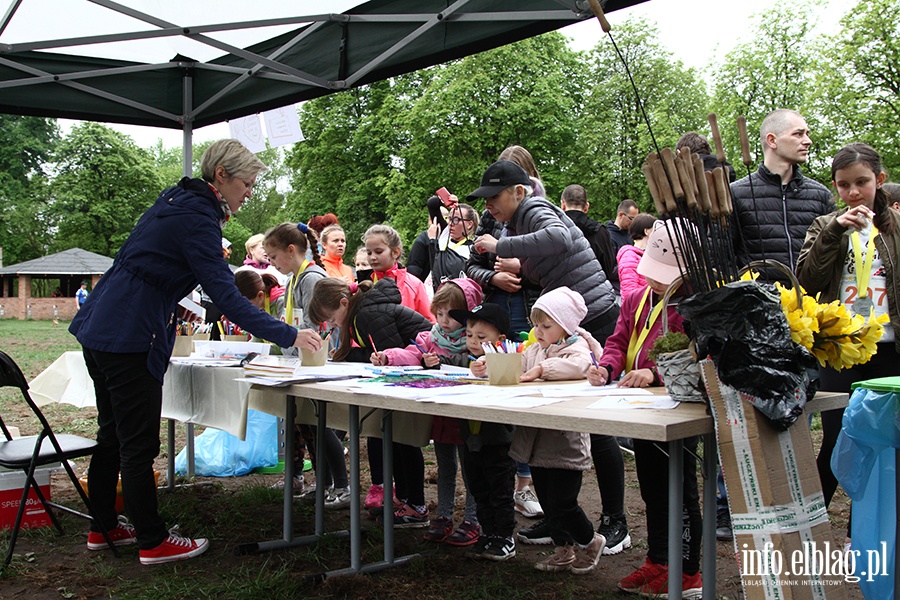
<point x="629" y="402"/>
<point x="248" y="131"/>
<point x="283" y="126"/>
<point x="585" y="389"/>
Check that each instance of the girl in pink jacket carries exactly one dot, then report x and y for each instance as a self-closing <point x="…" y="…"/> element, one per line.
<point x="639" y="324"/>
<point x="559" y="458"/>
<point x="444" y="343"/>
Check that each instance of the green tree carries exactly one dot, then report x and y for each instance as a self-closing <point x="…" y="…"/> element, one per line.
<point x="775" y="69"/>
<point x="858" y="91"/>
<point x="613" y="136"/>
<point x="27" y="149"/>
<point x="346" y="159"/>
<point x="529" y="93"/>
<point x="103" y="183"/>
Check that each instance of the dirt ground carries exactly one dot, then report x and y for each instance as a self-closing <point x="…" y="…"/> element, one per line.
<point x="67" y="570"/>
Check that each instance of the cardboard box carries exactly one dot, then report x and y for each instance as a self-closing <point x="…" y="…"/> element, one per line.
<point x="120" y="499"/>
<point x="11" y="484"/>
<point x="782" y="536"/>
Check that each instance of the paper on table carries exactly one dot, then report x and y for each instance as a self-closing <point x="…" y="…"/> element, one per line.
<point x="585" y="389"/>
<point x="206" y="362"/>
<point x="499" y="400"/>
<point x="628" y="402"/>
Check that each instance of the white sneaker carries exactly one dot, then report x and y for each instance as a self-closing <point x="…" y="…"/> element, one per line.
<point x="337" y="498"/>
<point x="527" y="503"/>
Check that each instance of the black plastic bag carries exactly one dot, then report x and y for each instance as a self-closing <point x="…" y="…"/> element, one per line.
<point x="742" y="327"/>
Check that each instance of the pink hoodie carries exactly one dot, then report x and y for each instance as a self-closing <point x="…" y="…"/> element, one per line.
<point x="411" y="355"/>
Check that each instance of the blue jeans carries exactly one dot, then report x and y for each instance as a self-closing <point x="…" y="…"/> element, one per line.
<point x="514" y="304"/>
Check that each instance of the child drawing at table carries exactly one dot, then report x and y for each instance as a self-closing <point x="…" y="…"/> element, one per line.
<point x="490" y="472"/>
<point x="371" y="316"/>
<point x="445" y="343"/>
<point x="639" y="325"/>
<point x="383" y="249"/>
<point x="558" y="458"/>
<point x="286" y="247"/>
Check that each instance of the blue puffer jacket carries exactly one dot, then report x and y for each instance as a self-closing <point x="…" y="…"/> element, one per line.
<point x="554" y="253"/>
<point x="175" y="244"/>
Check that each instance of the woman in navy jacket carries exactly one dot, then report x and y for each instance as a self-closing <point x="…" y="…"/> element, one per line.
<point x="127" y="330"/>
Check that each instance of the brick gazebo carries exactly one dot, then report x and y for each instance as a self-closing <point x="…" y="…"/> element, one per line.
<point x="70" y="267"/>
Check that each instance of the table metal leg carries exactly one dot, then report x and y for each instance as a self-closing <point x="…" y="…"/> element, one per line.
<point x="189" y="447"/>
<point x="710" y="471"/>
<point x="387" y="445"/>
<point x="676" y="504"/>
<point x="170" y="446"/>
<point x="321" y="466"/>
<point x="288" y="540"/>
<point x="355" y="492"/>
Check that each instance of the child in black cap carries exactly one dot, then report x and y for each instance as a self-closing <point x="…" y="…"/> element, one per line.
<point x="490" y="472"/>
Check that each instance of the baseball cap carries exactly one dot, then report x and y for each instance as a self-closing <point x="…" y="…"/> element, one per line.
<point x="499" y="176"/>
<point x="662" y="255"/>
<point x="489" y="313"/>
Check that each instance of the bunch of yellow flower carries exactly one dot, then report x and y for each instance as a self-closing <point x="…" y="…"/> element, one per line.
<point x="834" y="337"/>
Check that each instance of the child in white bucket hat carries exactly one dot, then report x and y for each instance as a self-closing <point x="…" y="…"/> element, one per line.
<point x="639" y="325"/>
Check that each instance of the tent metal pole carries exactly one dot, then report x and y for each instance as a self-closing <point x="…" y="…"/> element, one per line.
<point x="187" y="125"/>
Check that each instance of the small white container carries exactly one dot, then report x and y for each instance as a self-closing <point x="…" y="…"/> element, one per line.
<point x="227" y="349"/>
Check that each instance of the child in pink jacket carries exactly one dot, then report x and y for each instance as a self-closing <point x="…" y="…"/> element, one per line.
<point x="445" y="343"/>
<point x="558" y="458"/>
<point x="625" y="352"/>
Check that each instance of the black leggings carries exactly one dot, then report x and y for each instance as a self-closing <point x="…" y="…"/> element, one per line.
<point x="652" y="465"/>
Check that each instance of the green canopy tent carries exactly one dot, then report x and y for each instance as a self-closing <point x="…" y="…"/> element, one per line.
<point x="91" y="77"/>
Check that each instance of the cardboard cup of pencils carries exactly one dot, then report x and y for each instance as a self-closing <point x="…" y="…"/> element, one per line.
<point x="503" y="368"/>
<point x="314" y="359"/>
<point x="183" y="345"/>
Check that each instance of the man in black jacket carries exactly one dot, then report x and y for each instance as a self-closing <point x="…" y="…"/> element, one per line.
<point x="775" y="206"/>
<point x="618" y="227"/>
<point x="574" y="203"/>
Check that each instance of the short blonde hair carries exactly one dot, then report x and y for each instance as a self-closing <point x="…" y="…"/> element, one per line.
<point x="234" y="157"/>
<point x="253" y="241"/>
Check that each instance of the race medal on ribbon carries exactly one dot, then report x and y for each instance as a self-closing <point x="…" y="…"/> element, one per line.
<point x="863" y="306"/>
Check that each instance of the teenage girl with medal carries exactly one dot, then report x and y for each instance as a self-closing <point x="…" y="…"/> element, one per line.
<point x="286" y="246"/>
<point x="853" y="255"/>
<point x="639" y="324"/>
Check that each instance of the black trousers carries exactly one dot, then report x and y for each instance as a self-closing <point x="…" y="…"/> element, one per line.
<point x="610" y="468"/>
<point x="129" y="405"/>
<point x="558" y="490"/>
<point x="491" y="478"/>
<point x="652" y="466"/>
<point x="409" y="474"/>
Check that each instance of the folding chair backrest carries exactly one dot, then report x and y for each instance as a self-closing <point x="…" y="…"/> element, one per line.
<point x="11" y="376"/>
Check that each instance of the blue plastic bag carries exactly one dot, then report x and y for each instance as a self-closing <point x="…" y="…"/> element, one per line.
<point x="864" y="463"/>
<point x="220" y="454"/>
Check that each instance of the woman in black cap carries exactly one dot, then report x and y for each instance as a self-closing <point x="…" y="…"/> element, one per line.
<point x="553" y="252"/>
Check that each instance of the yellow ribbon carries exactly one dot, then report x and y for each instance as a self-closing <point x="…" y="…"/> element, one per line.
<point x="863" y="269"/>
<point x="638" y="339"/>
<point x="289" y="302"/>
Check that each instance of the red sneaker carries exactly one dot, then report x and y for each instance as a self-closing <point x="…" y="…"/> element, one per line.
<point x="375" y="497"/>
<point x="648" y="572"/>
<point x="174" y="548"/>
<point x="691" y="586"/>
<point x="465" y="535"/>
<point x="122" y="535"/>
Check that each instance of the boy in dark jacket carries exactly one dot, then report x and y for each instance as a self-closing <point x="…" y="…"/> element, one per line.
<point x="490" y="472"/>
